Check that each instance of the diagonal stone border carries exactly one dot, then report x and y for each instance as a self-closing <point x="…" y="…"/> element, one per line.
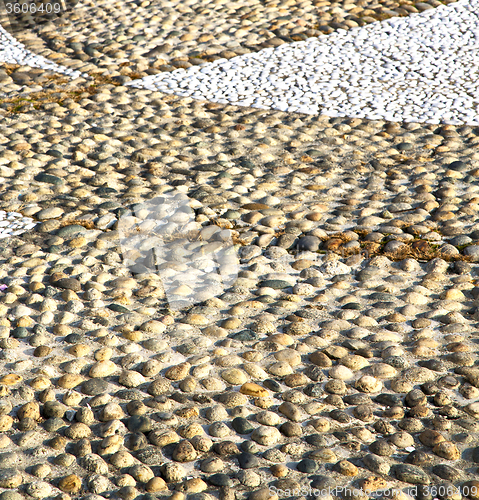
<point x="14" y="52"/>
<point x="421" y="68"/>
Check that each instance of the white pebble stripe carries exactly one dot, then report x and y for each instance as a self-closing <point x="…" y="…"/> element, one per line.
<point x="14" y="224"/>
<point x="14" y="52"/>
<point x="422" y="68"/>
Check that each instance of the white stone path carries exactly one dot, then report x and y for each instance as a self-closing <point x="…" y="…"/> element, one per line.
<point x="421" y="68"/>
<point x="14" y="52"/>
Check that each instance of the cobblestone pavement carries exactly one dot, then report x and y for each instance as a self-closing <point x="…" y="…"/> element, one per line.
<point x="344" y="355"/>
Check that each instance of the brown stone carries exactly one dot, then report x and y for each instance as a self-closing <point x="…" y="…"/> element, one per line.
<point x="373" y="483"/>
<point x="184" y="452"/>
<point x="320" y="359"/>
<point x="11" y="379"/>
<point x="295" y="380"/>
<point x="79" y="350"/>
<point x="178" y="372"/>
<point x="69" y="380"/>
<point x="29" y="410"/>
<point x="191" y="412"/>
<point x="70" y="484"/>
<point x="57" y="443"/>
<point x="419" y="411"/>
<point x="255" y="390"/>
<point x="447" y="450"/>
<point x="281" y="339"/>
<point x="431" y="438"/>
<point x="332" y="244"/>
<point x="41" y="351"/>
<point x="279" y="470"/>
<point x="6" y="422"/>
<point x="156" y="484"/>
<point x="470" y="489"/>
<point x="346" y="468"/>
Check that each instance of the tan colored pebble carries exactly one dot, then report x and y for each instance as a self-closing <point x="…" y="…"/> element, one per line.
<point x="122" y="459"/>
<point x="70" y="484"/>
<point x="153" y="326"/>
<point x="255" y="371"/>
<point x="373" y="483"/>
<point x="252" y="356"/>
<point x="340" y="372"/>
<point x="202" y="443"/>
<point x="346" y="468"/>
<point x="178" y="372"/>
<point x="72" y="398"/>
<point x="79" y="350"/>
<point x="266" y="435"/>
<point x="10" y="479"/>
<point x="279" y="470"/>
<point x="125" y="480"/>
<point x="151" y="368"/>
<point x="78" y="242"/>
<point x="215" y="331"/>
<point x="263" y="494"/>
<point x="321" y="424"/>
<point x="177" y="495"/>
<point x="320" y="359"/>
<point x="354" y="362"/>
<point x="29" y="410"/>
<point x="156" y="484"/>
<point x="282" y="339"/>
<point x="382" y="370"/>
<point x="104" y="354"/>
<point x="231" y="323"/>
<point x="131" y="378"/>
<point x="280" y="369"/>
<point x="40" y="383"/>
<point x="268" y="418"/>
<point x="401" y="385"/>
<point x="191" y="430"/>
<point x="195" y="485"/>
<point x="295" y="380"/>
<point x="25" y="321"/>
<point x="324" y="455"/>
<point x="212" y="384"/>
<point x="187" y="412"/>
<point x="133" y="336"/>
<point x="41" y="470"/>
<point x="5" y="441"/>
<point x="142" y="473"/>
<point x="102" y="369"/>
<point x="68" y="295"/>
<point x="289" y="355"/>
<point x="264" y="403"/>
<point x="255" y="390"/>
<point x="111" y="411"/>
<point x="6" y="422"/>
<point x="163" y="438"/>
<point x="224" y="359"/>
<point x="234" y="376"/>
<point x="447" y="450"/>
<point x="368" y="384"/>
<point x="11" y="379"/>
<point x="188" y="384"/>
<point x="196" y="319"/>
<point x="36" y="287"/>
<point x="78" y="431"/>
<point x="110" y="445"/>
<point x="62" y="330"/>
<point x="70" y="380"/>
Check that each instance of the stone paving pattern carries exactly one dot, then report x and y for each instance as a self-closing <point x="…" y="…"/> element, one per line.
<point x="344" y="354"/>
